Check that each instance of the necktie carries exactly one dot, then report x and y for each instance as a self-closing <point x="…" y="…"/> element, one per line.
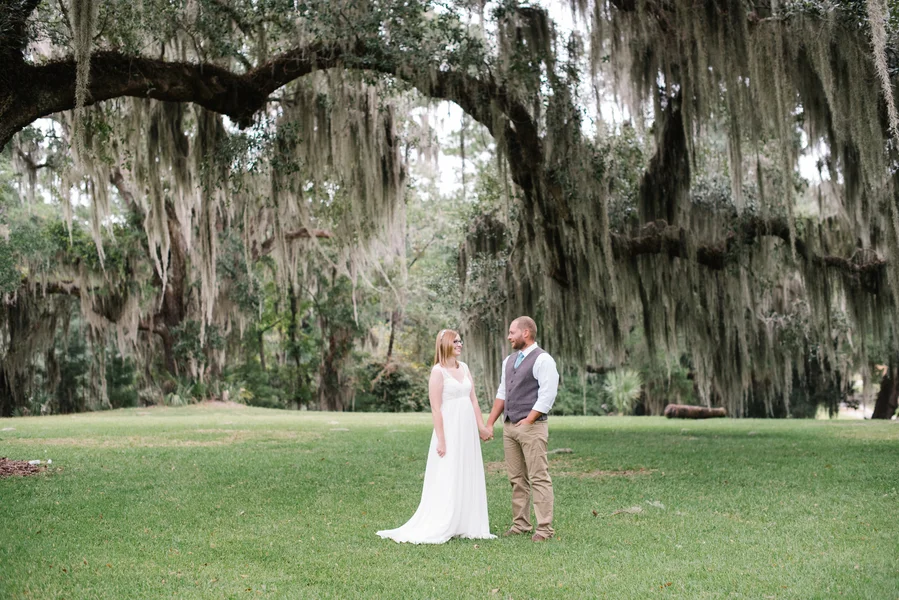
<point x="519" y="359"/>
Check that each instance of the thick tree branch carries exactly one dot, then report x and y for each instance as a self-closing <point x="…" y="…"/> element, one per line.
<point x="660" y="238"/>
<point x="33" y="166"/>
<point x="50" y="88"/>
<point x="153" y="327"/>
<point x="117" y="179"/>
<point x="62" y="287"/>
<point x="268" y="245"/>
<point x="599" y="369"/>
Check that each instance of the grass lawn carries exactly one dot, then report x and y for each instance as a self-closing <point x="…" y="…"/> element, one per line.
<point x="214" y="501"/>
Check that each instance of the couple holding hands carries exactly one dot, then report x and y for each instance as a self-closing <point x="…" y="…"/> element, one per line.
<point x="454" y="495"/>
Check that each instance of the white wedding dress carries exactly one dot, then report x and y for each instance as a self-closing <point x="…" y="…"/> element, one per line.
<point x="454" y="496"/>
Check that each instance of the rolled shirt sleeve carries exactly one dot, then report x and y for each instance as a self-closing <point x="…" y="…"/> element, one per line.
<point x="547" y="376"/>
<point x="501" y="391"/>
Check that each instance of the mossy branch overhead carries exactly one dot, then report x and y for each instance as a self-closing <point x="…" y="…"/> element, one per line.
<point x="868" y="273"/>
<point x="48" y="89"/>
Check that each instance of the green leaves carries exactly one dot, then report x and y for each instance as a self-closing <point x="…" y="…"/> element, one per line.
<point x="623" y="387"/>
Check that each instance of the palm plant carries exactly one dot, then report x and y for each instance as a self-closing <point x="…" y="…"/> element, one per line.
<point x="622" y="388"/>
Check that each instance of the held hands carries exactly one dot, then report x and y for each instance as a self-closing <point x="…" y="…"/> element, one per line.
<point x="441" y="448"/>
<point x="485" y="433"/>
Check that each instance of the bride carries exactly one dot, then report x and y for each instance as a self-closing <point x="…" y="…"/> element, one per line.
<point x="454" y="497"/>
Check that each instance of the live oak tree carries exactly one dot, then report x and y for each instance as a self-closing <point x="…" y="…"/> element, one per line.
<point x="745" y="286"/>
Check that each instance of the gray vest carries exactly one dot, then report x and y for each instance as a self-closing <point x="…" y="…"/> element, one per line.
<point x="521" y="387"/>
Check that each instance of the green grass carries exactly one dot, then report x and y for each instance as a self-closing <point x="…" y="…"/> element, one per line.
<point x="216" y="502"/>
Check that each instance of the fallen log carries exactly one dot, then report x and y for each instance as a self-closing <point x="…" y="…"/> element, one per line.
<point x="686" y="411"/>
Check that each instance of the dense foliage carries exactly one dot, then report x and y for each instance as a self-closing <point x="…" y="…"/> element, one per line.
<point x="237" y="198"/>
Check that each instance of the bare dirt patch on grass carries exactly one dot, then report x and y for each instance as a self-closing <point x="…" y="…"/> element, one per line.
<point x="497" y="466"/>
<point x="207" y="438"/>
<point x="220" y="404"/>
<point x="565" y="468"/>
<point x="9" y="468"/>
<point x="603" y="473"/>
<point x="207" y="404"/>
<point x="581" y="469"/>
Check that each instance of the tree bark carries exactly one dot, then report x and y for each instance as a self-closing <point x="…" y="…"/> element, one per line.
<point x="262" y="350"/>
<point x="665" y="186"/>
<point x="7" y="400"/>
<point x="42" y="90"/>
<point x="395" y="319"/>
<point x="888" y="397"/>
<point x="294" y="351"/>
<point x="173" y="308"/>
<point x="686" y="411"/>
<point x="661" y="238"/>
<point x="332" y="392"/>
<point x="268" y="245"/>
<point x="168" y="350"/>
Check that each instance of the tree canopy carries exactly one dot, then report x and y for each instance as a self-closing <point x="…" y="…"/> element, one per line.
<point x="282" y="123"/>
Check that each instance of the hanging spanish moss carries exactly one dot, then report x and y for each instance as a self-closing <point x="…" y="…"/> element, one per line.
<point x="84" y="26"/>
<point x="746" y="288"/>
<point x="714" y="256"/>
<point x="324" y="157"/>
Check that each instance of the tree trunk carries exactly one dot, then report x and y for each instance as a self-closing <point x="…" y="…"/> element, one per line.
<point x="293" y="347"/>
<point x="332" y="388"/>
<point x="7" y="400"/>
<point x="262" y="350"/>
<point x="168" y="350"/>
<point x="395" y="319"/>
<point x="664" y="188"/>
<point x="173" y="307"/>
<point x="888" y="396"/>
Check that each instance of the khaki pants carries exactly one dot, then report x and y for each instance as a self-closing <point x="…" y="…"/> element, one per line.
<point x="525" y="449"/>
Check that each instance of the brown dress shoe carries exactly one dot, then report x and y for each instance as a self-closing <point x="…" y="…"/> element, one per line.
<point x="512" y="532"/>
<point x="539" y="537"/>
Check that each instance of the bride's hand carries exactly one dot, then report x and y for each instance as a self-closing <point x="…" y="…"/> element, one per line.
<point x="441" y="449"/>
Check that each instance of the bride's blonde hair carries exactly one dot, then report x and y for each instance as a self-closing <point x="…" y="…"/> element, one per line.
<point x="444" y="346"/>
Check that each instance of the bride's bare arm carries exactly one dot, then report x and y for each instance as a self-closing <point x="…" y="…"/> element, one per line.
<point x="435" y="395"/>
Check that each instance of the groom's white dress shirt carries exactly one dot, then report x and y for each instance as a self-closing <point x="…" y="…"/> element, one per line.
<point x="546" y="374"/>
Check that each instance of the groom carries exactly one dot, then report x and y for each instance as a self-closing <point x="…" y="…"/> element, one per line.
<point x="526" y="393"/>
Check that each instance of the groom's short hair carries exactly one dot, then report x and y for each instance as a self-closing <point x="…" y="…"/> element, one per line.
<point x="529" y="324"/>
